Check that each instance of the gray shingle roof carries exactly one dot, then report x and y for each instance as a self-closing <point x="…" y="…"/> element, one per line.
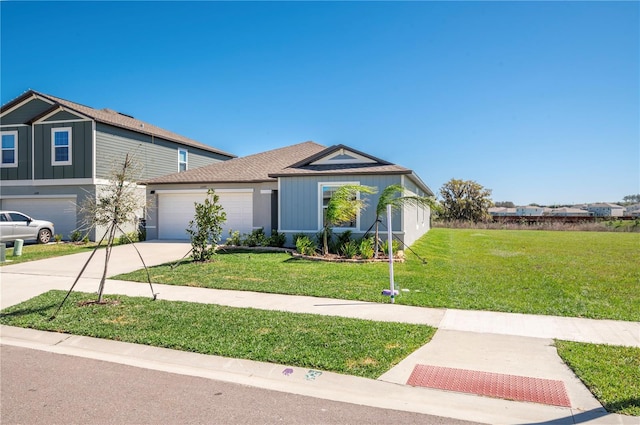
<point x="252" y="168"/>
<point x="111" y="117"/>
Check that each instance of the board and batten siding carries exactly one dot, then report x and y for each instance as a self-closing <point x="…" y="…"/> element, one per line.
<point x="23" y="170"/>
<point x="299" y="200"/>
<point x="158" y="156"/>
<point x="81" y="151"/>
<point x="24" y="113"/>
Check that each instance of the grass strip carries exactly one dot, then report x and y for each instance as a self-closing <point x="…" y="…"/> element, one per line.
<point x="349" y="346"/>
<point x="40" y="252"/>
<point x="611" y="373"/>
<point x="576" y="274"/>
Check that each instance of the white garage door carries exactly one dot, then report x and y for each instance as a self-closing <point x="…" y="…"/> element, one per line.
<point x="175" y="210"/>
<point x="60" y="211"/>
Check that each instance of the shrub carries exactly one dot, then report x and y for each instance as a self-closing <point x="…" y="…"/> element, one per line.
<point x="206" y="227"/>
<point x="234" y="239"/>
<point x="85" y="239"/>
<point x="126" y="238"/>
<point x="343" y="238"/>
<point x="349" y="249"/>
<point x="395" y="245"/>
<point x="305" y="246"/>
<point x="297" y="236"/>
<point x="75" y="236"/>
<point x="57" y="238"/>
<point x="256" y="238"/>
<point x="366" y="248"/>
<point x="277" y="239"/>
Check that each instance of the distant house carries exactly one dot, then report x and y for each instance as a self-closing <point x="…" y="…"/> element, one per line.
<point x="568" y="212"/>
<point x="285" y="189"/>
<point x="530" y="210"/>
<point x="606" y="210"/>
<point x="633" y="210"/>
<point x="56" y="153"/>
<point x="502" y="211"/>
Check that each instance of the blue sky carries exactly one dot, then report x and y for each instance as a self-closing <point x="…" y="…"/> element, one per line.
<point x="537" y="101"/>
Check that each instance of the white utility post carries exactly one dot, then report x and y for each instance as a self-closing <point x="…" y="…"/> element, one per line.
<point x="390" y="253"/>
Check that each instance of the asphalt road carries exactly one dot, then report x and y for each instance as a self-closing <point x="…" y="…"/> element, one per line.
<point x="38" y="387"/>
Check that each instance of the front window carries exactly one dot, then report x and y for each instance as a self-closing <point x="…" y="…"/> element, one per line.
<point x="9" y="148"/>
<point x="182" y="160"/>
<point x="61" y="146"/>
<point x="327" y="190"/>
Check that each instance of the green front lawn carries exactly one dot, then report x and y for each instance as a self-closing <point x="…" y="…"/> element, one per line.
<point x="611" y="373"/>
<point x="580" y="274"/>
<point x="350" y="346"/>
<point x="33" y="252"/>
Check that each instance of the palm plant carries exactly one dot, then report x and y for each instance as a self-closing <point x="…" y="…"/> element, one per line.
<point x="394" y="195"/>
<point x="343" y="207"/>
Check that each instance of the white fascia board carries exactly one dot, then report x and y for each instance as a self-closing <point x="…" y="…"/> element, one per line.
<point x="39" y="196"/>
<point x="13" y="125"/>
<point x="164" y="191"/>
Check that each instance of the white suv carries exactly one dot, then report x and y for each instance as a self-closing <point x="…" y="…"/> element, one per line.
<point x="16" y="225"/>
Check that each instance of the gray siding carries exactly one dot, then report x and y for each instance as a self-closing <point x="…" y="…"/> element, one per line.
<point x="299" y="201"/>
<point x="158" y="156"/>
<point x="26" y="112"/>
<point x="64" y="116"/>
<point x="23" y="170"/>
<point x="81" y="152"/>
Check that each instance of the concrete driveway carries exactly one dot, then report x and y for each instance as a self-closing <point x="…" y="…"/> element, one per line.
<point x="19" y="282"/>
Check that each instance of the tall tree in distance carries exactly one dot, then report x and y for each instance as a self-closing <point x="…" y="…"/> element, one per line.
<point x="464" y="200"/>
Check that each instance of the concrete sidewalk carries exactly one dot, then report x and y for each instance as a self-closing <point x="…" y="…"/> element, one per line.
<point x="514" y="344"/>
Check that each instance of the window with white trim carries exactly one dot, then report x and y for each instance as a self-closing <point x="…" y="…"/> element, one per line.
<point x="183" y="160"/>
<point x="61" y="146"/>
<point x="9" y="149"/>
<point x="326" y="191"/>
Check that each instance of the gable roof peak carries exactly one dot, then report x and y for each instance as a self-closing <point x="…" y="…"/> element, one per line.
<point x="113" y="118"/>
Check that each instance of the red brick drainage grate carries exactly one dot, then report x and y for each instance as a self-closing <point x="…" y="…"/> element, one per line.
<point x="510" y="387"/>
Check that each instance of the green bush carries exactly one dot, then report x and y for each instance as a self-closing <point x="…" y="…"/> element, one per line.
<point x="277" y="239"/>
<point x="206" y="227"/>
<point x="75" y="236"/>
<point x="234" y="238"/>
<point x="395" y="245"/>
<point x="366" y="248"/>
<point x="256" y="238"/>
<point x="305" y="246"/>
<point x="349" y="249"/>
<point x="57" y="238"/>
<point x="126" y="238"/>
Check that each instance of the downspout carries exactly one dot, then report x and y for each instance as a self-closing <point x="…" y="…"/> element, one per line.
<point x="33" y="152"/>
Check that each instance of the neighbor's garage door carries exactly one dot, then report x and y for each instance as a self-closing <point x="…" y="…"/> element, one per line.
<point x="175" y="210"/>
<point x="60" y="211"/>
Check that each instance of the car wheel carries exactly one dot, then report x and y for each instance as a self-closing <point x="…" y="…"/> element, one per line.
<point x="44" y="236"/>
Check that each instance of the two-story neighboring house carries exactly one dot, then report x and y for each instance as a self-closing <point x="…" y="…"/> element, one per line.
<point x="606" y="210"/>
<point x="55" y="153"/>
